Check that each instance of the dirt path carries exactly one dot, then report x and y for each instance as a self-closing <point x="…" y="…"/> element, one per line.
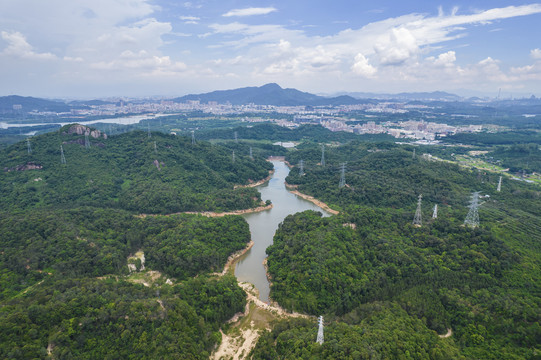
<point x="448" y="334"/>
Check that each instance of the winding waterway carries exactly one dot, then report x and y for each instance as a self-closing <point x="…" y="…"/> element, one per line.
<point x="263" y="225"/>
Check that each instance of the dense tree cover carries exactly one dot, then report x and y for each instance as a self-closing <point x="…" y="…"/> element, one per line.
<point x="274" y="132"/>
<point x="482" y="283"/>
<point x="517" y="157"/>
<point x="498" y="138"/>
<point x="383" y="174"/>
<point x="373" y="331"/>
<point x="95" y="242"/>
<point x="128" y="171"/>
<point x="110" y="319"/>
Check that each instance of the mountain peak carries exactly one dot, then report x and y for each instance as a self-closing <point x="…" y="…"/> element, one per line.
<point x="271" y="86"/>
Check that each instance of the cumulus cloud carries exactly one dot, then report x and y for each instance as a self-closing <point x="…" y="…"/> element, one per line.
<point x="250" y="11"/>
<point x="18" y="47"/>
<point x="535" y="54"/>
<point x="362" y="67"/>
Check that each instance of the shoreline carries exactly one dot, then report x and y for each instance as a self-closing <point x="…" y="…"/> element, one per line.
<point x="234" y="258"/>
<point x="257" y="183"/>
<point x="214" y="214"/>
<point x="312" y="199"/>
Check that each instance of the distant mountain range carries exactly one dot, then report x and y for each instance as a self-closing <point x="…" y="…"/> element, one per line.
<point x="29" y="103"/>
<point x="424" y="96"/>
<point x="269" y="94"/>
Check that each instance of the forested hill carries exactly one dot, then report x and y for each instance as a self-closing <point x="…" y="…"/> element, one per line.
<point x="387" y="287"/>
<point x="133" y="171"/>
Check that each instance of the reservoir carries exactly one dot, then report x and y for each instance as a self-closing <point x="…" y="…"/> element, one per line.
<point x="263" y="225"/>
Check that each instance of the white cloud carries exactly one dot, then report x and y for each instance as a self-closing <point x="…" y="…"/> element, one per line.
<point x="190" y="19"/>
<point x="250" y="11"/>
<point x="535" y="54"/>
<point x="362" y="67"/>
<point x="18" y="47"/>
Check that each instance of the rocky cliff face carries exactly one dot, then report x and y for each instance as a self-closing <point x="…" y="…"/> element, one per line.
<point x="81" y="130"/>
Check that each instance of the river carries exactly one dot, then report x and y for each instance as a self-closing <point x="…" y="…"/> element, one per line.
<point x="263" y="225"/>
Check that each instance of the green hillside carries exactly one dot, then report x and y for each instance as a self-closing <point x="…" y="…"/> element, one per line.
<point x="387" y="287"/>
<point x="132" y="171"/>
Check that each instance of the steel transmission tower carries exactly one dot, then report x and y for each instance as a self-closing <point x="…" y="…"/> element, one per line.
<point x="320" y="331"/>
<point x="417" y="219"/>
<point x="251" y="154"/>
<point x="342" y="182"/>
<point x="435" y="213"/>
<point x="28" y="146"/>
<point x="236" y="137"/>
<point x="148" y="129"/>
<point x="193" y="137"/>
<point x="323" y="155"/>
<point x="87" y="142"/>
<point x="499" y="185"/>
<point x="233" y="155"/>
<point x="472" y="219"/>
<point x="62" y="157"/>
<point x="301" y="168"/>
<point x="413" y="156"/>
<point x="155" y="148"/>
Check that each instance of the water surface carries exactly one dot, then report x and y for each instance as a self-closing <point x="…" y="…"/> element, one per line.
<point x="263" y="225"/>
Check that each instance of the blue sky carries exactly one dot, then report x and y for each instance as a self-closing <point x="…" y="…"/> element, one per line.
<point x="82" y="48"/>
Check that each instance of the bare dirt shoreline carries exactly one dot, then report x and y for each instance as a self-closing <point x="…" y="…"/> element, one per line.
<point x="312" y="199"/>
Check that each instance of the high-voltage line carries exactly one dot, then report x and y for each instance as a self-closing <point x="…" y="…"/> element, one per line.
<point x="417" y="219"/>
<point x="320" y="331"/>
<point x="342" y="182"/>
<point x="472" y="219"/>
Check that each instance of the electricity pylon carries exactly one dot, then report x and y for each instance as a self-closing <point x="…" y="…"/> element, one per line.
<point x="342" y="182"/>
<point x="148" y="129"/>
<point x="323" y="155"/>
<point x="472" y="219"/>
<point x="301" y="168"/>
<point x="320" y="331"/>
<point x="251" y="155"/>
<point x="87" y="142"/>
<point x="193" y="137"/>
<point x="435" y="213"/>
<point x="28" y="146"/>
<point x="233" y="155"/>
<point x="62" y="157"/>
<point x="499" y="185"/>
<point x="417" y="219"/>
<point x="236" y="137"/>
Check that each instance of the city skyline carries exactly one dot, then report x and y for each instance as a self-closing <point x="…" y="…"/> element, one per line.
<point x="161" y="47"/>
